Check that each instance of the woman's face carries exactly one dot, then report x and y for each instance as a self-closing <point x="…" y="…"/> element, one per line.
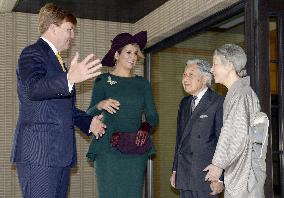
<point x="128" y="57"/>
<point x="219" y="70"/>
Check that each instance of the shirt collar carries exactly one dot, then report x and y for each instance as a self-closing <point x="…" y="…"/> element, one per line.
<point x="50" y="45"/>
<point x="200" y="95"/>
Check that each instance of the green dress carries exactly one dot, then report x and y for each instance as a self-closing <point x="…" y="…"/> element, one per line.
<point x="120" y="175"/>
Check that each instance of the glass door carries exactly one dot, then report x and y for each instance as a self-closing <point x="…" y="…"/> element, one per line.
<point x="276" y="55"/>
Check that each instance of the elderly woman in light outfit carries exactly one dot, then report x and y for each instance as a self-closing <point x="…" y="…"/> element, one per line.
<point x="234" y="151"/>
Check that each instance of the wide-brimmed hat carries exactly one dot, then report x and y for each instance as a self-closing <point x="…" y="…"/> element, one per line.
<point x="120" y="41"/>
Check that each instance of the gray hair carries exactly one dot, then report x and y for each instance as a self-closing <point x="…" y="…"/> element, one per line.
<point x="204" y="68"/>
<point x="234" y="54"/>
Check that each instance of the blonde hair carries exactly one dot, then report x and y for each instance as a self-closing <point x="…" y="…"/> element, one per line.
<point x="140" y="55"/>
<point x="52" y="14"/>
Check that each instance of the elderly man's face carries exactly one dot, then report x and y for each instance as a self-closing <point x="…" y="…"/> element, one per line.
<point x="193" y="82"/>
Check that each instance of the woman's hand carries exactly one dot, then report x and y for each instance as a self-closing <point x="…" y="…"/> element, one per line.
<point x="142" y="134"/>
<point x="141" y="138"/>
<point x="110" y="105"/>
<point x="213" y="174"/>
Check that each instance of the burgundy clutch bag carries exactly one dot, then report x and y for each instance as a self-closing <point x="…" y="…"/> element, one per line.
<point x="125" y="142"/>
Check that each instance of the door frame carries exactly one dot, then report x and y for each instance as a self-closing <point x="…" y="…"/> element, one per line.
<point x="280" y="49"/>
<point x="257" y="15"/>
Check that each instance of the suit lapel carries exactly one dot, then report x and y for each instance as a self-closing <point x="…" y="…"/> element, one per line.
<point x="188" y="110"/>
<point x="54" y="60"/>
<point x="51" y="56"/>
<point x="202" y="106"/>
<point x="185" y="113"/>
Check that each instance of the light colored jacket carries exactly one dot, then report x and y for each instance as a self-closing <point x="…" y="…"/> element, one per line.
<point x="234" y="149"/>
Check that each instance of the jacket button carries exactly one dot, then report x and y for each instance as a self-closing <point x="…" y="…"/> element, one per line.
<point x="198" y="136"/>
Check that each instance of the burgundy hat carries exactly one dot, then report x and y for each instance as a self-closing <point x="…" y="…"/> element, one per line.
<point x="120" y="41"/>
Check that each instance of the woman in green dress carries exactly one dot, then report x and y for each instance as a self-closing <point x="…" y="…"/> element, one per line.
<point x="124" y="100"/>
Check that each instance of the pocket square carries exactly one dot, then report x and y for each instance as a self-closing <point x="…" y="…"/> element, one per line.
<point x="203" y="116"/>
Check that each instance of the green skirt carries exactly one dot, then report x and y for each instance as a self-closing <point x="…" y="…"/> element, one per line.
<point x="120" y="176"/>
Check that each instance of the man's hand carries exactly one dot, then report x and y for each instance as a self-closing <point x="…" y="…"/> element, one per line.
<point x="97" y="126"/>
<point x="214" y="173"/>
<point x="81" y="71"/>
<point x="173" y="179"/>
<point x="216" y="187"/>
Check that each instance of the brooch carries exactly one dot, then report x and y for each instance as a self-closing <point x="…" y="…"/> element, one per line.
<point x="111" y="82"/>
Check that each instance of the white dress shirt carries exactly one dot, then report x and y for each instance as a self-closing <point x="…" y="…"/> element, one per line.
<point x="199" y="96"/>
<point x="70" y="86"/>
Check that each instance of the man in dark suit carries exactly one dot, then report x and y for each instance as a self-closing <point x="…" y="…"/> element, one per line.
<point x="198" y="127"/>
<point x="44" y="147"/>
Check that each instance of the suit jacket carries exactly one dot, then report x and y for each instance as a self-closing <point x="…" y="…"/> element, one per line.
<point x="196" y="139"/>
<point x="44" y="133"/>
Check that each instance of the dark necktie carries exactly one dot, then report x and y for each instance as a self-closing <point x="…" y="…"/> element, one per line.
<point x="192" y="104"/>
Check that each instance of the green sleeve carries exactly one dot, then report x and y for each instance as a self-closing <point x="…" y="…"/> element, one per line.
<point x="97" y="96"/>
<point x="150" y="110"/>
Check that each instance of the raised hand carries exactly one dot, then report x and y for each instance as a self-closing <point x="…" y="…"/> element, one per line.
<point x="213" y="174"/>
<point x="81" y="71"/>
<point x="97" y="126"/>
<point x="110" y="105"/>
